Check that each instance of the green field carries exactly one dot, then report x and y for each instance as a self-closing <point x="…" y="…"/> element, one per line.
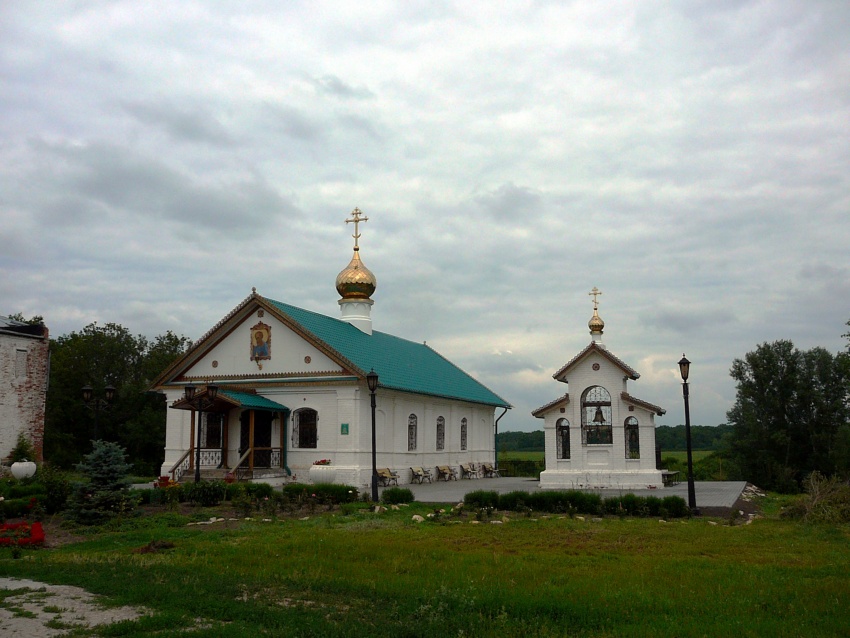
<point x="365" y="574"/>
<point x="682" y="456"/>
<point x="521" y="456"/>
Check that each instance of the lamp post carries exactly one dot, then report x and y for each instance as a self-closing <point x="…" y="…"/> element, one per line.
<point x="97" y="405"/>
<point x="684" y="370"/>
<point x="372" y="382"/>
<point x="199" y="403"/>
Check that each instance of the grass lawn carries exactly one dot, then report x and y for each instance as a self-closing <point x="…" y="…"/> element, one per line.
<point x="365" y="574"/>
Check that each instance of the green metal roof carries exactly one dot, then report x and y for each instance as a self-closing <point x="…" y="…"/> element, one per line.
<point x="253" y="401"/>
<point x="401" y="364"/>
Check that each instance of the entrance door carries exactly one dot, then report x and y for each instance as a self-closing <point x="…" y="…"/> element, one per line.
<point x="262" y="437"/>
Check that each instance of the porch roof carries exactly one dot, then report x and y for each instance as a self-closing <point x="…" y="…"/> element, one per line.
<point x="253" y="401"/>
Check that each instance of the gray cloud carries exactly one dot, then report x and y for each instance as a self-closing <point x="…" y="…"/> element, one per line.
<point x="688" y="160"/>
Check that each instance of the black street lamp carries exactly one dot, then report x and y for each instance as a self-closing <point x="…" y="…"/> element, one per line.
<point x="199" y="403"/>
<point x="372" y="382"/>
<point x="684" y="370"/>
<point x="97" y="405"/>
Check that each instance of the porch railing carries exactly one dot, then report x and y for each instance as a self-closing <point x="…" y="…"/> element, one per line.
<point x="181" y="466"/>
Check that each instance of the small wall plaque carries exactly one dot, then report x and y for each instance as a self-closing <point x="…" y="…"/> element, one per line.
<point x="343" y="429"/>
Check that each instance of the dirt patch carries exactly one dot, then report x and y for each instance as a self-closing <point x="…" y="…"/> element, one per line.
<point x="41" y="610"/>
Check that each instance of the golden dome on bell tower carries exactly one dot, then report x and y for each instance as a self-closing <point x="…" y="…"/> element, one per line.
<point x="595" y="324"/>
<point x="355" y="281"/>
<point x="355" y="284"/>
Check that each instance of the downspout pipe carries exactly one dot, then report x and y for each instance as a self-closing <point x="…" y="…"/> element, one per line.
<point x="496" y="438"/>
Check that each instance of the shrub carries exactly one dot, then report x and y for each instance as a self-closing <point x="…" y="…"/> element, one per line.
<point x="23" y="450"/>
<point x="675" y="507"/>
<point x="206" y="493"/>
<point x="21" y="507"/>
<point x="259" y="490"/>
<point x="826" y="500"/>
<point x="329" y="493"/>
<point x="482" y="498"/>
<point x="57" y="488"/>
<point x="393" y="495"/>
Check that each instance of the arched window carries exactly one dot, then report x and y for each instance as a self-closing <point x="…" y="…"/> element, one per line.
<point x="463" y="433"/>
<point x="632" y="438"/>
<point x="562" y="438"/>
<point x="441" y="433"/>
<point x="596" y="416"/>
<point x="412" y="422"/>
<point x="304" y="428"/>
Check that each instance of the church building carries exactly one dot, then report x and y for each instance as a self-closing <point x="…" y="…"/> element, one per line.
<point x="598" y="435"/>
<point x="273" y="389"/>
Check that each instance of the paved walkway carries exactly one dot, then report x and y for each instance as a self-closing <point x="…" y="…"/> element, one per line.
<point x="708" y="493"/>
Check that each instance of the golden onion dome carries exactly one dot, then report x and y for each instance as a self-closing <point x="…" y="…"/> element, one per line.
<point x="355" y="281"/>
<point x="596" y="324"/>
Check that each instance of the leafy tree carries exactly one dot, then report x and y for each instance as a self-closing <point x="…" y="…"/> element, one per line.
<point x="35" y="320"/>
<point x="100" y="356"/>
<point x="791" y="415"/>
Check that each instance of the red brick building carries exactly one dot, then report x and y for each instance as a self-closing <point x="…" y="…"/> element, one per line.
<point x="24" y="369"/>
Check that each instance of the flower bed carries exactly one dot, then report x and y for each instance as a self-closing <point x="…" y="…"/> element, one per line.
<point x="21" y="534"/>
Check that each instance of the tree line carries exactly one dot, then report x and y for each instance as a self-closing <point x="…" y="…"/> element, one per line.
<point x="791" y="415"/>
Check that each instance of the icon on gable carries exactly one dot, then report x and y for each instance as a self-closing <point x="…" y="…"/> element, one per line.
<point x="261" y="343"/>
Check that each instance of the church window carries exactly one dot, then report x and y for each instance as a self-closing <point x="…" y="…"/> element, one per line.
<point x="441" y="433"/>
<point x="596" y="426"/>
<point x="304" y="428"/>
<point x="412" y="423"/>
<point x="463" y="433"/>
<point x="562" y="434"/>
<point x="632" y="438"/>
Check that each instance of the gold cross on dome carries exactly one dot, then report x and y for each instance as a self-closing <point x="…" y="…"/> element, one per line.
<point x="594" y="293"/>
<point x="356" y="213"/>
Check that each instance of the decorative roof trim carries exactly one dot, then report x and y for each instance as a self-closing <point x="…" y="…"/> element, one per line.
<point x="594" y="347"/>
<point x="545" y="408"/>
<point x="268" y="376"/>
<point x="628" y="398"/>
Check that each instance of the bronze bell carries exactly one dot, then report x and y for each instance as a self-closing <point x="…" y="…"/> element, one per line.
<point x="598" y="417"/>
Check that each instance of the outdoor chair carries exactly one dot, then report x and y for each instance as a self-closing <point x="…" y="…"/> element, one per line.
<point x="468" y="471"/>
<point x="446" y="472"/>
<point x="489" y="471"/>
<point x="387" y="477"/>
<point x="420" y="474"/>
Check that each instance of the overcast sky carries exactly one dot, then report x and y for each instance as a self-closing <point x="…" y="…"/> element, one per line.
<point x="691" y="159"/>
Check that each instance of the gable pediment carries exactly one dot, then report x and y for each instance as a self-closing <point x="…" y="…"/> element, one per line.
<point x="594" y="351"/>
<point x="255" y="342"/>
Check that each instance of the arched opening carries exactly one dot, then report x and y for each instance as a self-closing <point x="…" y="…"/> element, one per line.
<point x="412" y="424"/>
<point x="441" y="433"/>
<point x="632" y="438"/>
<point x="463" y="433"/>
<point x="305" y="428"/>
<point x="596" y="426"/>
<point x="562" y="437"/>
